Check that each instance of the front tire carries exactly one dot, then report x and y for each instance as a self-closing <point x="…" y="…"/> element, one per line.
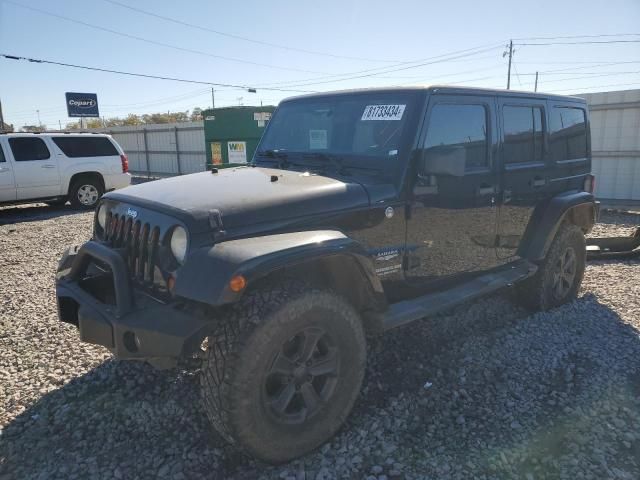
<point x="283" y="372"/>
<point x="558" y="279"/>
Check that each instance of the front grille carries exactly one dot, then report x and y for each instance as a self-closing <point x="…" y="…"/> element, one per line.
<point x="140" y="243"/>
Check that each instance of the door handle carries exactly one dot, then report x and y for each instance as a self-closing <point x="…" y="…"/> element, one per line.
<point x="486" y="189"/>
<point x="538" y="182"/>
<point x="48" y="166"/>
<point x="3" y="169"/>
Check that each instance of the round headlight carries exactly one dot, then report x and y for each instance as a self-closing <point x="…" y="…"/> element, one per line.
<point x="179" y="244"/>
<point x="102" y="216"/>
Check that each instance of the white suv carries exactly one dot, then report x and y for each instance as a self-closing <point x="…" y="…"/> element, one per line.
<point x="56" y="167"/>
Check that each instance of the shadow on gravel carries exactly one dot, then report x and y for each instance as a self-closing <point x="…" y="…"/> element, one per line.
<point x="38" y="211"/>
<point x="508" y="396"/>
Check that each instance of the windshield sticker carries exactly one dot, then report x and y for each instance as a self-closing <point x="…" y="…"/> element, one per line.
<point x="317" y="139"/>
<point x="383" y="112"/>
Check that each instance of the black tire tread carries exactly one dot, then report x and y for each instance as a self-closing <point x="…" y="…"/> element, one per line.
<point x="532" y="291"/>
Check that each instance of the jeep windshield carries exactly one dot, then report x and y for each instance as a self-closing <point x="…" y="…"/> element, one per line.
<point x="368" y="130"/>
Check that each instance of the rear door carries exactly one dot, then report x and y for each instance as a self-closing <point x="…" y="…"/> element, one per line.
<point x="452" y="226"/>
<point x="524" y="178"/>
<point x="7" y="182"/>
<point x="35" y="168"/>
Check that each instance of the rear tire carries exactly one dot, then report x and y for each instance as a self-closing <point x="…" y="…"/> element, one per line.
<point x="282" y="373"/>
<point x="558" y="279"/>
<point x="86" y="192"/>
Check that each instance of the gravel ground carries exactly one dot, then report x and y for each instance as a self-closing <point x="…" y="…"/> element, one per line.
<point x="486" y="391"/>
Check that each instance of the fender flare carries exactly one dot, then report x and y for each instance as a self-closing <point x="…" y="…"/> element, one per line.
<point x="206" y="274"/>
<point x="580" y="207"/>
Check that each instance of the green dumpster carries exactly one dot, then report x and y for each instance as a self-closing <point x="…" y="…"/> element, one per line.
<point x="232" y="134"/>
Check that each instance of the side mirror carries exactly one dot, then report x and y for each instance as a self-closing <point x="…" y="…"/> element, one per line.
<point x="444" y="160"/>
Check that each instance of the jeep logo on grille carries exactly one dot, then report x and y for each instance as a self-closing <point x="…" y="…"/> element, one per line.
<point x="132" y="213"/>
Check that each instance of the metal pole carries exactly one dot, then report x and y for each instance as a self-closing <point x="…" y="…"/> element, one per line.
<point x="60" y="124"/>
<point x="213" y="99"/>
<point x="1" y="119"/>
<point x="39" y="122"/>
<point x="509" y="71"/>
<point x="146" y="152"/>
<point x="535" y="89"/>
<point x="175" y="133"/>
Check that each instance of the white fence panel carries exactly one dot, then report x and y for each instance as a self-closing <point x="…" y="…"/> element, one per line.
<point x="164" y="149"/>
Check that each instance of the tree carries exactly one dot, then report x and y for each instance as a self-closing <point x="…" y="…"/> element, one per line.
<point x="34" y="128"/>
<point x="196" y="114"/>
<point x="94" y="123"/>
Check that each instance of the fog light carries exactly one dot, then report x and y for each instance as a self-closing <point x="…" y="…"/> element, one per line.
<point x="237" y="283"/>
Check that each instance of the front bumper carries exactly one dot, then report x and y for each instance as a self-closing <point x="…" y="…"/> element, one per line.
<point x="128" y="322"/>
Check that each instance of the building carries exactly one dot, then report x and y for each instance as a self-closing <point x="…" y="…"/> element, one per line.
<point x="615" y="142"/>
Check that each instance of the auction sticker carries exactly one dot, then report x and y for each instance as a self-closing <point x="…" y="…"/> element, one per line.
<point x="317" y="139"/>
<point x="383" y="112"/>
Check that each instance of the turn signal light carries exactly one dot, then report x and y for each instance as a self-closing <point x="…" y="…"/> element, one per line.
<point x="237" y="283"/>
<point x="590" y="183"/>
<point x="171" y="283"/>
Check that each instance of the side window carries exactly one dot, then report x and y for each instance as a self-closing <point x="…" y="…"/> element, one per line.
<point x="459" y="130"/>
<point x="568" y="139"/>
<point x="74" y="147"/>
<point x="2" y="159"/>
<point x="28" y="148"/>
<point x="523" y="134"/>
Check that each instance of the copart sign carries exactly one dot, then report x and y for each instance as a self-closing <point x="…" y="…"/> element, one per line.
<point x="82" y="104"/>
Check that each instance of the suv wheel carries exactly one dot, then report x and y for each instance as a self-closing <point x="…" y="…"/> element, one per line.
<point x="558" y="279"/>
<point x="284" y="371"/>
<point x="86" y="192"/>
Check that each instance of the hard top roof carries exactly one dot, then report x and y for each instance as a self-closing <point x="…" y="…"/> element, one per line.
<point x="56" y="134"/>
<point x="442" y="89"/>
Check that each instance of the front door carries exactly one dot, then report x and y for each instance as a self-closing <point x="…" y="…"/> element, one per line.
<point x="524" y="181"/>
<point x="35" y="169"/>
<point x="7" y="183"/>
<point x="451" y="229"/>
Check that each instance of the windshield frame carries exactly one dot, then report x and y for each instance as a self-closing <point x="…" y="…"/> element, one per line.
<point x="389" y="166"/>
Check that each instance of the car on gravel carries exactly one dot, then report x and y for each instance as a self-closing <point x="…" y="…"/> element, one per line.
<point x="58" y="167"/>
<point x="360" y="211"/>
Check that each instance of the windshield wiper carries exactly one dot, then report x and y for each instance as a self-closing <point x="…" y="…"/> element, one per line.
<point x="335" y="160"/>
<point x="279" y="155"/>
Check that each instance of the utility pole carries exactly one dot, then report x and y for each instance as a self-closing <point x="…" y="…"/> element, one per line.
<point x="60" y="124"/>
<point x="535" y="89"/>
<point x="38" y="113"/>
<point x="1" y="118"/>
<point x="213" y="99"/>
<point x="510" y="53"/>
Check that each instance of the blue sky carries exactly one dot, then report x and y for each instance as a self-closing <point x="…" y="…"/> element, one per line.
<point x="377" y="35"/>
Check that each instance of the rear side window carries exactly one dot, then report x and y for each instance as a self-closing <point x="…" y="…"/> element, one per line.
<point x="568" y="140"/>
<point x="453" y="127"/>
<point x="25" y="149"/>
<point x="74" y="147"/>
<point x="1" y="155"/>
<point x="523" y="134"/>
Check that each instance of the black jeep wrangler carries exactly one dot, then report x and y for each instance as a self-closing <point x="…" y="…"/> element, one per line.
<point x="361" y="211"/>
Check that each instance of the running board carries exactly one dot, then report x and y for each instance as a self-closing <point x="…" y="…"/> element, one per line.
<point x="407" y="311"/>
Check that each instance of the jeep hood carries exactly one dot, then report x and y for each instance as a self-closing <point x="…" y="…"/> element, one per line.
<point x="244" y="196"/>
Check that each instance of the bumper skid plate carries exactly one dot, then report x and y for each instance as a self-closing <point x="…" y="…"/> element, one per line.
<point x="134" y="326"/>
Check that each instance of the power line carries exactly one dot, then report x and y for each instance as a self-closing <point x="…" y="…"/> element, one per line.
<point x="373" y="74"/>
<point x="589" y="42"/>
<point x="382" y="70"/>
<point x="157" y="43"/>
<point x="143" y="75"/>
<point x="601" y="35"/>
<point x="240" y="37"/>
